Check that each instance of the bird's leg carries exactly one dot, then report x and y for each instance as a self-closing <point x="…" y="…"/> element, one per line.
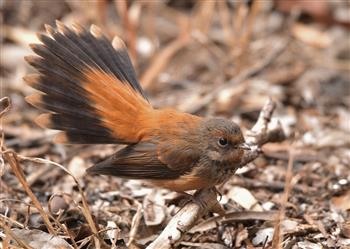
<point x="217" y="208"/>
<point x="188" y="198"/>
<point x="218" y="193"/>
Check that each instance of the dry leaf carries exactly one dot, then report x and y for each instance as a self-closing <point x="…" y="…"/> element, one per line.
<point x="308" y="245"/>
<point x="263" y="235"/>
<point x="154" y="211"/>
<point x="289" y="226"/>
<point x="242" y="235"/>
<point x="311" y="36"/>
<point x="40" y="240"/>
<point x="57" y="203"/>
<point x="228" y="236"/>
<point x="345" y="229"/>
<point x="342" y="202"/>
<point x="76" y="167"/>
<point x="113" y="233"/>
<point x="244" y="198"/>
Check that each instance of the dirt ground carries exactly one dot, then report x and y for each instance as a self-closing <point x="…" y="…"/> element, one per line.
<point x="210" y="58"/>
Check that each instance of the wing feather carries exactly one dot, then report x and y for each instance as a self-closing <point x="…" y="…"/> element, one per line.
<point x="139" y="161"/>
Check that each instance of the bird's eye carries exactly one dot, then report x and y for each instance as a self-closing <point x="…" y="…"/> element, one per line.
<point x="222" y="142"/>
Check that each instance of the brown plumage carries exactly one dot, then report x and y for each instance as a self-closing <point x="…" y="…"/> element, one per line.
<point x="90" y="93"/>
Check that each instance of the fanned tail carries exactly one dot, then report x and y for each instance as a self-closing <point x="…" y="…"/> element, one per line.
<point x="88" y="87"/>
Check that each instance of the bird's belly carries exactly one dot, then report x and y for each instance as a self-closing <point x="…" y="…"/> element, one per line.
<point x="198" y="178"/>
<point x="184" y="183"/>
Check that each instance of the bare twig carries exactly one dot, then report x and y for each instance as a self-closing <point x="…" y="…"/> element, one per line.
<point x="202" y="16"/>
<point x="225" y="19"/>
<point x="240" y="50"/>
<point x="4" y="220"/>
<point x="205" y="200"/>
<point x="258" y="135"/>
<point x="185" y="219"/>
<point x="233" y="216"/>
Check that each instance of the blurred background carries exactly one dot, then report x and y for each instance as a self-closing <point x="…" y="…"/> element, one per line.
<point x="211" y="58"/>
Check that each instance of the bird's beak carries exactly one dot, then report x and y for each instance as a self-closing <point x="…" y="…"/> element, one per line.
<point x="244" y="146"/>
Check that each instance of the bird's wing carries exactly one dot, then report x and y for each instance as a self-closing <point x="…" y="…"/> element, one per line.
<point x="139" y="161"/>
<point x="178" y="154"/>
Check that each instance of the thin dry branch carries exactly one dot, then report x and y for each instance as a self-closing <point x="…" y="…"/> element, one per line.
<point x="185" y="219"/>
<point x="229" y="217"/>
<point x="205" y="200"/>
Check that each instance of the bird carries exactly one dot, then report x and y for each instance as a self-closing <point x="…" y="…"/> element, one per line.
<point x="88" y="90"/>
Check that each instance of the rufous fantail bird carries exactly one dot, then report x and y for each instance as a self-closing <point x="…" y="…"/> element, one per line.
<point x="89" y="89"/>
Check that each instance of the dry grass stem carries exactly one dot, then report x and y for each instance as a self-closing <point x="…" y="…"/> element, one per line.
<point x="12" y="159"/>
<point x="277" y="236"/>
<point x="85" y="209"/>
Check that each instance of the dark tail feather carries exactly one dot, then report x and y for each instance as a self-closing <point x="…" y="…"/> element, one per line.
<point x="88" y="87"/>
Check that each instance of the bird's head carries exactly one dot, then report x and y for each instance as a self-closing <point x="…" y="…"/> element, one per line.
<point x="222" y="141"/>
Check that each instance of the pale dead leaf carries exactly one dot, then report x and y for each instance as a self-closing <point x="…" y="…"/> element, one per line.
<point x="289" y="225"/>
<point x="244" y="198"/>
<point x="113" y="233"/>
<point x="76" y="167"/>
<point x="58" y="203"/>
<point x="326" y="138"/>
<point x="311" y="36"/>
<point x="41" y="240"/>
<point x="242" y="235"/>
<point x="308" y="245"/>
<point x="228" y="236"/>
<point x="153" y="206"/>
<point x="262" y="236"/>
<point x="341" y="202"/>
